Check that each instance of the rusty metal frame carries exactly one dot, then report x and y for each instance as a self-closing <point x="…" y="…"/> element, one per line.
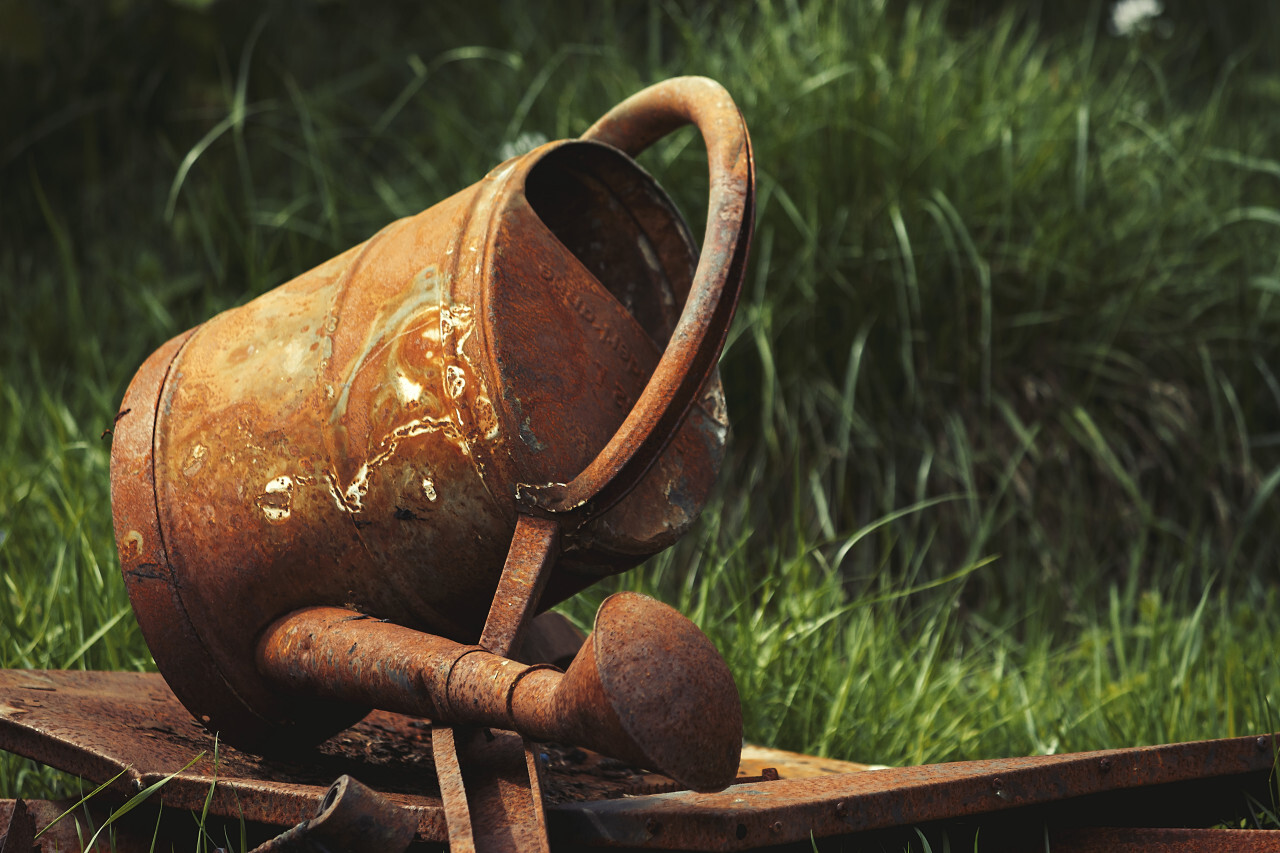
<point x="98" y="724"/>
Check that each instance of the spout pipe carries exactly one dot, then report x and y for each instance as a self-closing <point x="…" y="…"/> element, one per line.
<point x="647" y="687"/>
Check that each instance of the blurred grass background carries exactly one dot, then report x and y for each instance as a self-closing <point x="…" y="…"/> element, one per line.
<point x="1003" y="380"/>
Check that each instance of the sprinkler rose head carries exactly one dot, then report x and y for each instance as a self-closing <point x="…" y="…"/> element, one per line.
<point x="650" y="688"/>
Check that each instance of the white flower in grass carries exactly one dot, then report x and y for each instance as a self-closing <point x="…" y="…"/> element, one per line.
<point x="523" y="144"/>
<point x="1134" y="17"/>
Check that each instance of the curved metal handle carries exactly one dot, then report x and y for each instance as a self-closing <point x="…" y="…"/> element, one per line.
<point x="698" y="337"/>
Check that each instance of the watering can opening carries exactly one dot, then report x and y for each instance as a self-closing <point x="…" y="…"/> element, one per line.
<point x="615" y="262"/>
<point x="620" y="224"/>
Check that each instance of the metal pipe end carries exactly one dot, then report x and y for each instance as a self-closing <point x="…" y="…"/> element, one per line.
<point x="650" y="687"/>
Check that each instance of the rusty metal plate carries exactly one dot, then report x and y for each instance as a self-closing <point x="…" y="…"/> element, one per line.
<point x="69" y="825"/>
<point x="763" y="814"/>
<point x="97" y="724"/>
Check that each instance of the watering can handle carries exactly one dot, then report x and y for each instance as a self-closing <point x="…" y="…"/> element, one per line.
<point x="699" y="335"/>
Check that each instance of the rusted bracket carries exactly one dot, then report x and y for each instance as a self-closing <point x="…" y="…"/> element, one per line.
<point x="491" y="790"/>
<point x="534" y="548"/>
<point x="496" y="805"/>
<point x="351" y="817"/>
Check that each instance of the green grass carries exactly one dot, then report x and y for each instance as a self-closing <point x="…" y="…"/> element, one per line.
<point x="1003" y="380"/>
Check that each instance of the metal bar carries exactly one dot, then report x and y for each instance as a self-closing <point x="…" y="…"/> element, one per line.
<point x="453" y="792"/>
<point x="503" y="792"/>
<point x="534" y="547"/>
<point x="501" y="809"/>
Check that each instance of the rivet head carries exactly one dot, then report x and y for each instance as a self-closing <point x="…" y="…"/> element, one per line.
<point x="842" y="808"/>
<point x="777" y="826"/>
<point x="1105" y="765"/>
<point x="1262" y="743"/>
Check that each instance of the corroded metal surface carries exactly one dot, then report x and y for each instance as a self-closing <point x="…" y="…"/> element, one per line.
<point x="66" y="826"/>
<point x="453" y="790"/>
<point x="368" y="434"/>
<point x="648" y="687"/>
<point x="501" y="790"/>
<point x="695" y="343"/>
<point x="534" y="548"/>
<point x="347" y="457"/>
<point x="64" y="832"/>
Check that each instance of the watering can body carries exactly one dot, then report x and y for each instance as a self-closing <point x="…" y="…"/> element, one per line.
<point x="366" y="435"/>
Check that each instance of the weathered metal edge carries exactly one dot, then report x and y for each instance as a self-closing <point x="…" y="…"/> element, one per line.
<point x="771" y="813"/>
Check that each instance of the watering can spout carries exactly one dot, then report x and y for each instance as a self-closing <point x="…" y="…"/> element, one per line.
<point x="647" y="687"/>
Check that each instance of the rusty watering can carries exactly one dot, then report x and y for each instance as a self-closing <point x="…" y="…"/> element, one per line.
<point x="355" y="490"/>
